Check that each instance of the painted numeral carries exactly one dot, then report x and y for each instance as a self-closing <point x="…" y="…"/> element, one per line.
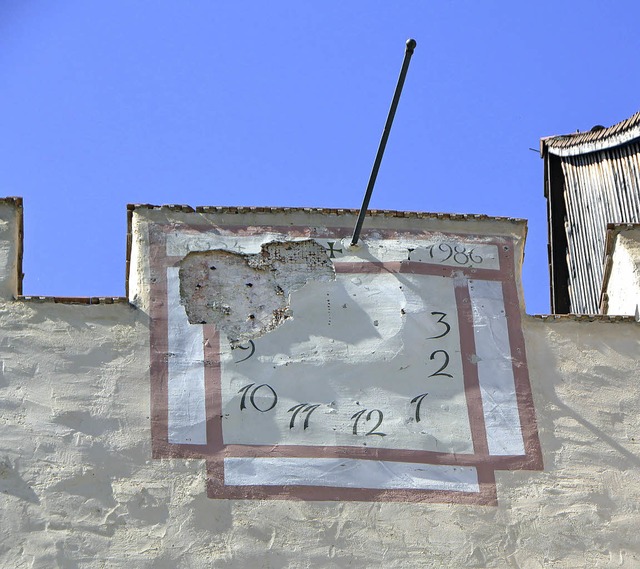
<point x="254" y="393"/>
<point x="443" y="366"/>
<point x="442" y="321"/>
<point x="357" y="416"/>
<point x="301" y="408"/>
<point x="457" y="253"/>
<point x="418" y="399"/>
<point x="251" y="347"/>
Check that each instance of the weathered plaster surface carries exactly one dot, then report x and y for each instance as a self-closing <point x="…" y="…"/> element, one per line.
<point x="79" y="489"/>
<point x="246" y="296"/>
<point x="623" y="288"/>
<point x="10" y="242"/>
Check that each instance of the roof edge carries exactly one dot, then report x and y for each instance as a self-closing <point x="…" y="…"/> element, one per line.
<point x="593" y="140"/>
<point x="607" y="318"/>
<point x="326" y="211"/>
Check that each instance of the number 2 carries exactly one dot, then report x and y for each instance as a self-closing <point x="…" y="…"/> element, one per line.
<point x="443" y="366"/>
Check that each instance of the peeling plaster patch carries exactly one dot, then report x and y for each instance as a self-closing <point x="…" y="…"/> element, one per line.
<point x="246" y="296"/>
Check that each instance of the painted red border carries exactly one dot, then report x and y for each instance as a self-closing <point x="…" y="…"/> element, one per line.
<point x="215" y="450"/>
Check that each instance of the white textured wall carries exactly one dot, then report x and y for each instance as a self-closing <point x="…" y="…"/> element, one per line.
<point x="623" y="287"/>
<point x="10" y="241"/>
<point x="78" y="486"/>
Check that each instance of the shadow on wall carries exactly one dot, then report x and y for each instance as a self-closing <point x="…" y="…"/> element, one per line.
<point x="12" y="483"/>
<point x="589" y="392"/>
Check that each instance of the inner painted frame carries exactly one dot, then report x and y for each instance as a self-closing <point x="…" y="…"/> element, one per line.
<point x="404" y="379"/>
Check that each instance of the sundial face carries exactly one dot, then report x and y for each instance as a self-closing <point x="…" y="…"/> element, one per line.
<point x="404" y="378"/>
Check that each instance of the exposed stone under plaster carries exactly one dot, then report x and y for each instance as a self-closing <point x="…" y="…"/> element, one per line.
<point x="246" y="296"/>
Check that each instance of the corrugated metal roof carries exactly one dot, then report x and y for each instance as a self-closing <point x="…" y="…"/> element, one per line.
<point x="599" y="188"/>
<point x="592" y="180"/>
<point x="593" y="140"/>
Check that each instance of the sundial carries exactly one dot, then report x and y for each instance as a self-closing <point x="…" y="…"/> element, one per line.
<point x="397" y="372"/>
<point x="304" y="361"/>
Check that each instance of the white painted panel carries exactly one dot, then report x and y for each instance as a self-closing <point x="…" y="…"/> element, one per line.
<point x="187" y="413"/>
<point x="359" y="344"/>
<point x="436" y="251"/>
<point x="348" y="473"/>
<point x="495" y="371"/>
<point x="181" y="244"/>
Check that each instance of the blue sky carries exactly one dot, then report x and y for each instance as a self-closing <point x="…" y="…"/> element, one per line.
<point x="283" y="103"/>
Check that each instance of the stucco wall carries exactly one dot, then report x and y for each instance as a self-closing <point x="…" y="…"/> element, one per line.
<point x="79" y="486"/>
<point x="623" y="285"/>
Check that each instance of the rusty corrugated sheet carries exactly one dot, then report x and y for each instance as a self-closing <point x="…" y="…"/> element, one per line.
<point x="599" y="185"/>
<point x="596" y="139"/>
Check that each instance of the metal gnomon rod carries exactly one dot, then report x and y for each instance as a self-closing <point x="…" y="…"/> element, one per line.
<point x="410" y="46"/>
